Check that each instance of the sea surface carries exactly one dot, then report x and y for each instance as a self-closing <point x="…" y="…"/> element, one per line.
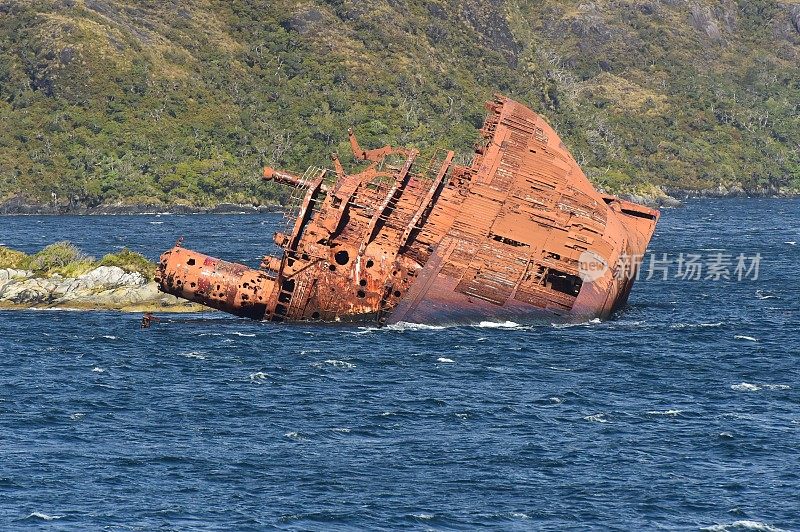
<point x="681" y="413"/>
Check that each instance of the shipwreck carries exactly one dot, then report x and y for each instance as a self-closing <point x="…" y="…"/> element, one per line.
<point x="425" y="240"/>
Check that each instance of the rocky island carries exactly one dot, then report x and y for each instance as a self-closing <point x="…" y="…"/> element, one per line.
<point x="60" y="276"/>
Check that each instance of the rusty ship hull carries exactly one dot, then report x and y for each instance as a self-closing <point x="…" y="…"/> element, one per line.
<point x="430" y="241"/>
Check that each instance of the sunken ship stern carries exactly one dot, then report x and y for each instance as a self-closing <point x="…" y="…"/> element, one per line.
<point x="518" y="234"/>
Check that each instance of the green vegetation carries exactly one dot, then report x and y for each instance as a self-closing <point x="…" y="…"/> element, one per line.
<point x="115" y="101"/>
<point x="65" y="259"/>
<point x="130" y="261"/>
<point x="11" y="258"/>
<point x="62" y="258"/>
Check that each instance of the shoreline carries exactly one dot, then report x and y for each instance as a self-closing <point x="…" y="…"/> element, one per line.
<point x="102" y="288"/>
<point x="672" y="197"/>
<point x="17" y="207"/>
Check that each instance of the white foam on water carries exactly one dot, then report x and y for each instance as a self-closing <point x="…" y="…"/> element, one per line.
<point x="343" y="430"/>
<point x="405" y="326"/>
<point x="745" y="387"/>
<point x="248" y="335"/>
<point x="56" y="309"/>
<point x="98" y="369"/>
<point x="597" y="418"/>
<point x="44" y="516"/>
<point x="556" y="400"/>
<point x="776" y="386"/>
<point x="519" y="515"/>
<point x="76" y="415"/>
<point x="292" y="435"/>
<point x="365" y="330"/>
<point x="109" y="337"/>
<point x="791" y="242"/>
<point x="498" y="325"/>
<point x="259" y="376"/>
<point x="424" y="516"/>
<point x="194" y="354"/>
<point x="581" y="324"/>
<point x="335" y="364"/>
<point x="155" y="223"/>
<point x="760" y="294"/>
<point x="745" y="524"/>
<point x="462" y="415"/>
<point x="697" y="325"/>
<point x="725" y="435"/>
<point x="665" y="412"/>
<point x="747" y="338"/>
<point x="445" y="360"/>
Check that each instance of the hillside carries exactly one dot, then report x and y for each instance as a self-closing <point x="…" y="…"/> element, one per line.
<point x="182" y="102"/>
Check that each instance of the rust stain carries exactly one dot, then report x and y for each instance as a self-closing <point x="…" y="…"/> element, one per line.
<point x="431" y="241"/>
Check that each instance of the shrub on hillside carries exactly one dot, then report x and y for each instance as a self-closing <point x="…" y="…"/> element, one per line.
<point x="130" y="261"/>
<point x="11" y="258"/>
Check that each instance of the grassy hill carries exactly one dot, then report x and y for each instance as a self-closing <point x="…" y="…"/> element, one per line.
<point x="182" y="102"/>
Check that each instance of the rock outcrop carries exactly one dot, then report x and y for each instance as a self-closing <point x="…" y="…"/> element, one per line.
<point x="103" y="288"/>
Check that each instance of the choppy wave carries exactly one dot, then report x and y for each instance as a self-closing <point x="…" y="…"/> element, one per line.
<point x="594" y="321"/>
<point x="763" y="294"/>
<point x="597" y="418"/>
<point x="743" y="525"/>
<point x="199" y="355"/>
<point x="334" y="363"/>
<point x="747" y="338"/>
<point x="405" y="326"/>
<point x="259" y="376"/>
<point x="44" y="516"/>
<point x="498" y="325"/>
<point x="697" y="325"/>
<point x="445" y="360"/>
<point x="776" y="386"/>
<point x="672" y="413"/>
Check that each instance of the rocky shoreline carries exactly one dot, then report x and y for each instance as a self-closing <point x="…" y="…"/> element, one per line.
<point x="102" y="288"/>
<point x="18" y="205"/>
<point x="669" y="197"/>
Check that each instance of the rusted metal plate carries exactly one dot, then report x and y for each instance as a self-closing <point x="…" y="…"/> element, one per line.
<point x="432" y="241"/>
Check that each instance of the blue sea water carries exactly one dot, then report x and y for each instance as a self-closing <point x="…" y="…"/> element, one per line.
<point x="683" y="412"/>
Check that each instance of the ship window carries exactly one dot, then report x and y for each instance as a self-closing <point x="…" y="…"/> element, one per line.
<point x="638" y="214"/>
<point x="287" y="286"/>
<point x="190" y="262"/>
<point x="563" y="282"/>
<point x="342" y="257"/>
<point x="508" y="241"/>
<point x="370" y="263"/>
<point x="361" y="294"/>
<point x="363" y="282"/>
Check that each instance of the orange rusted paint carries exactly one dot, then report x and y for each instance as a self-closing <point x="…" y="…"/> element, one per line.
<point x="434" y="242"/>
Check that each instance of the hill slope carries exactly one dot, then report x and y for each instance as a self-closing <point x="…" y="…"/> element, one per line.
<point x="108" y="101"/>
